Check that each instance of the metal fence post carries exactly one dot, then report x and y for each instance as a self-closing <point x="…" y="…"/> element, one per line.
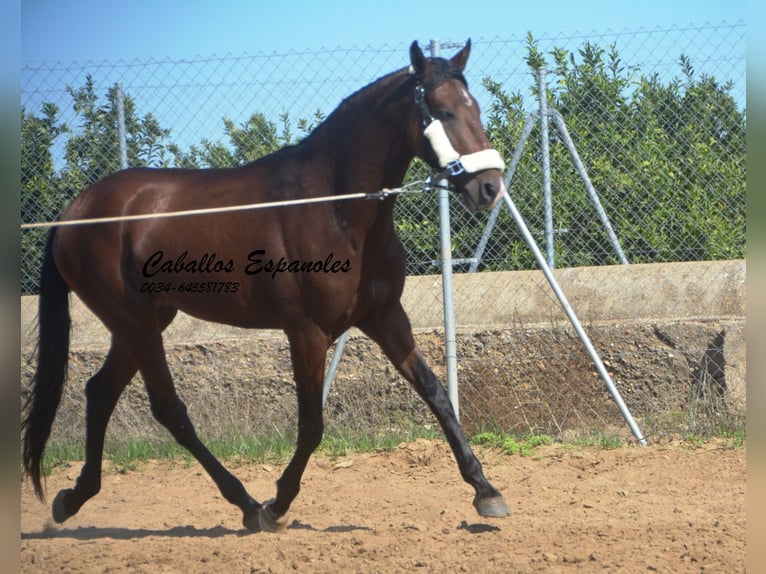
<point x="561" y="125"/>
<point x="340" y="346"/>
<point x="445" y="240"/>
<point x="526" y="130"/>
<point x="121" y="132"/>
<point x="542" y="94"/>
<point x="597" y="362"/>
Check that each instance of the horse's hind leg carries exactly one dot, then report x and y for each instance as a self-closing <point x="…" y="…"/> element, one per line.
<point x="102" y="392"/>
<point x="390" y="328"/>
<point x="170" y="411"/>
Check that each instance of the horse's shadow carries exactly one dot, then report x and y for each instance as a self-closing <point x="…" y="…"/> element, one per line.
<point x="85" y="533"/>
<point x="479" y="528"/>
<point x="298" y="525"/>
<point x="97" y="533"/>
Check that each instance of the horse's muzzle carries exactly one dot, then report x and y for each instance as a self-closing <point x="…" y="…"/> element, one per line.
<point x="482" y="191"/>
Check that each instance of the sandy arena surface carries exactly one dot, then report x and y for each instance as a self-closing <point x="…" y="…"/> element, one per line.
<point x="666" y="508"/>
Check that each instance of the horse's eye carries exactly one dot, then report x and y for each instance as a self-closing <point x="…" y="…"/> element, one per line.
<point x="445" y="115"/>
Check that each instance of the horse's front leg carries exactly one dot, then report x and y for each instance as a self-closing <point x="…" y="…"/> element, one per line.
<point x="391" y="329"/>
<point x="308" y="350"/>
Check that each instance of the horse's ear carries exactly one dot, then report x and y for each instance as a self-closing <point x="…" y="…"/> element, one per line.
<point x="417" y="59"/>
<point x="461" y="57"/>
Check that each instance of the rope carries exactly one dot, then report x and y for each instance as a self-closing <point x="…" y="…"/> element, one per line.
<point x="382" y="194"/>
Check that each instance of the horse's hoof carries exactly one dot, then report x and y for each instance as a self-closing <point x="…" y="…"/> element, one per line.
<point x="268" y="520"/>
<point x="58" y="508"/>
<point x="493" y="506"/>
<point x="251" y="521"/>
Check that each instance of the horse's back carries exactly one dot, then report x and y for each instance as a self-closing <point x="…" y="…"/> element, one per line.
<point x="239" y="258"/>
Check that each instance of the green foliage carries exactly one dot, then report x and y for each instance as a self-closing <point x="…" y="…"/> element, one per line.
<point x="127" y="453"/>
<point x="92" y="151"/>
<point x="510" y="444"/>
<point x="668" y="162"/>
<point x="667" y="159"/>
<point x="253" y="139"/>
<point x="41" y="195"/>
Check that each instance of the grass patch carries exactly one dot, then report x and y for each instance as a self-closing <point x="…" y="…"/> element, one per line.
<point x="696" y="427"/>
<point x="274" y="449"/>
<point x="732" y="438"/>
<point x="510" y="444"/>
<point x="60" y="454"/>
<point x="126" y="454"/>
<point x="606" y="441"/>
<point x="342" y="443"/>
<point x="736" y="437"/>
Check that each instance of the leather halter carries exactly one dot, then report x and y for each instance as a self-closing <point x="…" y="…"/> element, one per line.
<point x="450" y="161"/>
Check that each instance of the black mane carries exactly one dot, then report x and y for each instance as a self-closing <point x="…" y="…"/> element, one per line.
<point x="440" y="70"/>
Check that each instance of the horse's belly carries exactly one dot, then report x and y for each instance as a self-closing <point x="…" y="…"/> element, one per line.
<point x="218" y="299"/>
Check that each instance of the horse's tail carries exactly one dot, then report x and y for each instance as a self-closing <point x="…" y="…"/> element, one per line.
<point x="52" y="357"/>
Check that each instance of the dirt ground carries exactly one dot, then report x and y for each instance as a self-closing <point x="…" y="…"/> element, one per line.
<point x="671" y="507"/>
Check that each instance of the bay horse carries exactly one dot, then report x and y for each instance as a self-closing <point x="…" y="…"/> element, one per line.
<point x="313" y="271"/>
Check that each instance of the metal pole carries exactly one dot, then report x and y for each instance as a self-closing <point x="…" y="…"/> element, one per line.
<point x="562" y="127"/>
<point x="574" y="320"/>
<point x="546" y="159"/>
<point x="448" y="302"/>
<point x="526" y="130"/>
<point x="445" y="240"/>
<point x="121" y="132"/>
<point x="337" y="353"/>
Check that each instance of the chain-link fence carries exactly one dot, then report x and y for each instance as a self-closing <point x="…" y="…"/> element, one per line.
<point x="657" y="119"/>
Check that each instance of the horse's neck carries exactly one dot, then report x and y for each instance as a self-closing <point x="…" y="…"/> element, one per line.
<point x="362" y="147"/>
<point x="367" y="141"/>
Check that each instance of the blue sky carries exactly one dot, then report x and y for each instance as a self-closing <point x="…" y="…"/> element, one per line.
<point x="57" y="30"/>
<point x="95" y="31"/>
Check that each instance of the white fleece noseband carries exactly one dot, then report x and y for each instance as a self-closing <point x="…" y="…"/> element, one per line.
<point x="451" y="161"/>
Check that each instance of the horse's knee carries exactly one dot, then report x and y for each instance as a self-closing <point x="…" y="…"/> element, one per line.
<point x="167" y="413"/>
<point x="94" y="389"/>
<point x="173" y="416"/>
<point x="310" y="433"/>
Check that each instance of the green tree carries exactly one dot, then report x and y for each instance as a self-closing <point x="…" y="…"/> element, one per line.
<point x="666" y="159"/>
<point x="93" y="151"/>
<point x="247" y="142"/>
<point x="90" y="153"/>
<point x="41" y="197"/>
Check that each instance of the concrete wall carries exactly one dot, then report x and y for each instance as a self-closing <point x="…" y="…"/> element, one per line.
<point x="619" y="293"/>
<point x="666" y="291"/>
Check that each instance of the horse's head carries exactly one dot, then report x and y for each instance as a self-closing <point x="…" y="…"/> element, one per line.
<point x="448" y="133"/>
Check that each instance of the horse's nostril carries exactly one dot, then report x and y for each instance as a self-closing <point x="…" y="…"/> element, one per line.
<point x="488" y="192"/>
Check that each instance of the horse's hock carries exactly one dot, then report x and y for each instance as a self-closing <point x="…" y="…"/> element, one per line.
<point x="670" y="335"/>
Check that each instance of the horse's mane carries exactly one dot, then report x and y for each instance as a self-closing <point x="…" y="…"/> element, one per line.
<point x="358" y="100"/>
<point x="388" y="87"/>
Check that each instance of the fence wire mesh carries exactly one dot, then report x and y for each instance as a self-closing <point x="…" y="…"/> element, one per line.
<point x="657" y="117"/>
